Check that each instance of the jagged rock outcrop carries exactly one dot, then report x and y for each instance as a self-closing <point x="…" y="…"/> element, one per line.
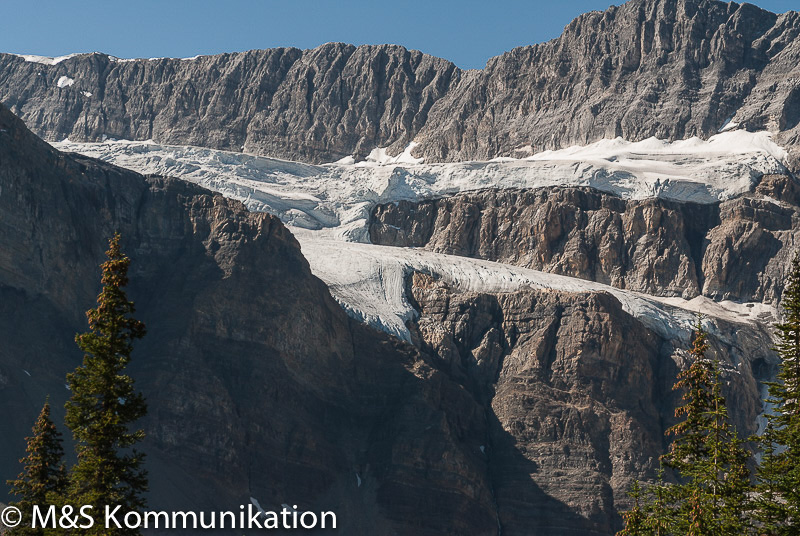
<point x="520" y="410"/>
<point x="578" y="392"/>
<point x="318" y="105"/>
<point x="666" y="68"/>
<point x="737" y="249"/>
<point x="257" y="382"/>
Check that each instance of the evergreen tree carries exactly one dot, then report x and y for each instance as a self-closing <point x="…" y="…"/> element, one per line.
<point x="43" y="478"/>
<point x="660" y="514"/>
<point x="689" y="451"/>
<point x="727" y="478"/>
<point x="712" y="495"/>
<point x="635" y="519"/>
<point x="779" y="475"/>
<point x="652" y="513"/>
<point x="104" y="403"/>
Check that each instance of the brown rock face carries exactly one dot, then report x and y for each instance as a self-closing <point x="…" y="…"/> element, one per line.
<point x="577" y="392"/>
<point x="666" y="68"/>
<point x="734" y="250"/>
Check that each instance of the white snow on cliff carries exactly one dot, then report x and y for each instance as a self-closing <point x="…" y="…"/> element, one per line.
<point x="45" y="60"/>
<point x="340" y="195"/>
<point x="65" y="81"/>
<point x="369" y="282"/>
<point x="328" y="208"/>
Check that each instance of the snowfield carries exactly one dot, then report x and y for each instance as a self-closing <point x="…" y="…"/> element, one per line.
<point x="328" y="208"/>
<point x="369" y="282"/>
<point x="339" y="196"/>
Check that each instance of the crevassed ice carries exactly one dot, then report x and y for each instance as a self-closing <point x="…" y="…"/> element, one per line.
<point x="328" y="207"/>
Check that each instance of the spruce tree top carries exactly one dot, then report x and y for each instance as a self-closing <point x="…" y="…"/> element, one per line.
<point x="104" y="403"/>
<point x="43" y="471"/>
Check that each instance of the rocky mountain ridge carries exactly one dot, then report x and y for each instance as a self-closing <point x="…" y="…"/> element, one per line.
<point x="511" y="412"/>
<point x="734" y="250"/>
<point x="515" y="410"/>
<point x="666" y="68"/>
<point x="258" y="384"/>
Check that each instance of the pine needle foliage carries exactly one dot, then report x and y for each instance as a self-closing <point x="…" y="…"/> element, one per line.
<point x="779" y="474"/>
<point x="104" y="403"/>
<point x="44" y="478"/>
<point x="652" y="514"/>
<point x="711" y="496"/>
<point x="635" y="519"/>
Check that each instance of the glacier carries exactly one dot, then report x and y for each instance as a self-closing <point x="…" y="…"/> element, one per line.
<point x="328" y="207"/>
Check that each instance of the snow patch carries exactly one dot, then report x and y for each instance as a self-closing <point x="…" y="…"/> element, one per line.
<point x="86" y="94"/>
<point x="45" y="60"/>
<point x="65" y="81"/>
<point x="369" y="283"/>
<point x="328" y="208"/>
<point x="346" y="161"/>
<point x="726" y="309"/>
<point x="728" y="125"/>
<point x="378" y="156"/>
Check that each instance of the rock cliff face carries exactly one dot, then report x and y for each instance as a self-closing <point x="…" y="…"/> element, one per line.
<point x="734" y="250"/>
<point x="515" y="411"/>
<point x="570" y="422"/>
<point x="258" y="383"/>
<point x="317" y="105"/>
<point x="512" y="413"/>
<point x="666" y="68"/>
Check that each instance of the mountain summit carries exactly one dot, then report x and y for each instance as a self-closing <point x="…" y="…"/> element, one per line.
<point x="666" y="68"/>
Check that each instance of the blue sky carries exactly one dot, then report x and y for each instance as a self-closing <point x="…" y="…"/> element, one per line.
<point x="467" y="32"/>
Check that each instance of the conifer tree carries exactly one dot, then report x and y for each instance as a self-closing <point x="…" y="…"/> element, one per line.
<point x="635" y="519"/>
<point x="660" y="514"/>
<point x="104" y="403"/>
<point x="651" y="514"/>
<point x="727" y="478"/>
<point x="712" y="495"/>
<point x="43" y="479"/>
<point x="688" y="453"/>
<point x="779" y="475"/>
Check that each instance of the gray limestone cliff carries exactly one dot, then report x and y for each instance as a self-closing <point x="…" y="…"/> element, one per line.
<point x="515" y="410"/>
<point x="258" y="384"/>
<point x="317" y="105"/>
<point x="666" y="68"/>
<point x="735" y="250"/>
